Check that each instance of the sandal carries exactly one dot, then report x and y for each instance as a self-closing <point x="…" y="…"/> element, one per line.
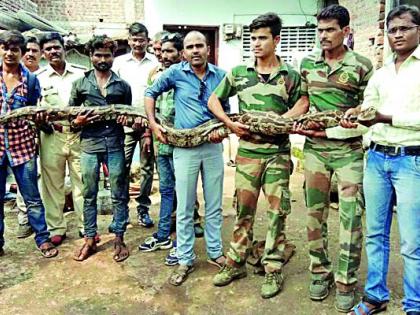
<point x="219" y="261"/>
<point x="376" y="308"/>
<point x="180" y="275"/>
<point x="48" y="250"/>
<point x="87" y="250"/>
<point x="121" y="252"/>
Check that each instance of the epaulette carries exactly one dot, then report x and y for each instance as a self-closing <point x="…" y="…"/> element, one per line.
<point x="39" y="71"/>
<point x="78" y="66"/>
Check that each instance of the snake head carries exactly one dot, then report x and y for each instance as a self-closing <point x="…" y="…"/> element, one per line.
<point x="367" y="114"/>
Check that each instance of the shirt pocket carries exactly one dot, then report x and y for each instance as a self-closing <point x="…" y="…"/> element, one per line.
<point x="50" y="97"/>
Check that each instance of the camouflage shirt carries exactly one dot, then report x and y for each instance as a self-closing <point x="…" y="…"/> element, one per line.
<point x="278" y="94"/>
<point x="165" y="107"/>
<point x="337" y="88"/>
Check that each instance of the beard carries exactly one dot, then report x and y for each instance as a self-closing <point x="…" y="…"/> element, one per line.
<point x="103" y="66"/>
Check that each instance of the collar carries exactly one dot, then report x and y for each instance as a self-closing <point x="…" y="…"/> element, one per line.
<point x="390" y="59"/>
<point x="90" y="75"/>
<point x="22" y="69"/>
<point x="67" y="68"/>
<point x="283" y="68"/>
<point x="147" y="56"/>
<point x="186" y="66"/>
<point x="349" y="57"/>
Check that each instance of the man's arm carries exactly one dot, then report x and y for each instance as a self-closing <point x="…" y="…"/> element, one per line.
<point x="223" y="91"/>
<point x="216" y="108"/>
<point x="158" y="130"/>
<point x="301" y="107"/>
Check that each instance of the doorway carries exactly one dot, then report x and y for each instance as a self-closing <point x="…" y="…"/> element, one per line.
<point x="211" y="33"/>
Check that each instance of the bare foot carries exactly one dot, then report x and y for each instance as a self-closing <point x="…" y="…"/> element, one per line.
<point x="121" y="252"/>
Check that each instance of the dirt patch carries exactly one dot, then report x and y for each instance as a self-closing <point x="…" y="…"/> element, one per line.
<point x="32" y="285"/>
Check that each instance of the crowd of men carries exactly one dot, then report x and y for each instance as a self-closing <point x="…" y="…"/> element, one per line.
<point x="184" y="88"/>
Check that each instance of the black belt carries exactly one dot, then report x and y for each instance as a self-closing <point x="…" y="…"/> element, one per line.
<point x="395" y="151"/>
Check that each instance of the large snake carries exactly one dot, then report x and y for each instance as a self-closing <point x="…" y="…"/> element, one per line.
<point x="262" y="125"/>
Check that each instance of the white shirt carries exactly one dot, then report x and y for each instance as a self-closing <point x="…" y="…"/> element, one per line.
<point x="396" y="94"/>
<point x="136" y="73"/>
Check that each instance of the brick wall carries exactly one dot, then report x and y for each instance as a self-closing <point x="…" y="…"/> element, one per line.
<point x="366" y="21"/>
<point x="82" y="16"/>
<point x="15" y="5"/>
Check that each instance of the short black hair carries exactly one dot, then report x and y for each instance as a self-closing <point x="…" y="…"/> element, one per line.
<point x="32" y="39"/>
<point x="403" y="9"/>
<point x="137" y="28"/>
<point x="49" y="37"/>
<point x="101" y="41"/>
<point x="335" y="12"/>
<point x="271" y="20"/>
<point x="175" y="38"/>
<point x="13" y="38"/>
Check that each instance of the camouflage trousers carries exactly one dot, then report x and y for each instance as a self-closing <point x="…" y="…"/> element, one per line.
<point x="322" y="158"/>
<point x="270" y="174"/>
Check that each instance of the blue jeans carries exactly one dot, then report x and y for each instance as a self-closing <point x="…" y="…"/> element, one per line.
<point x="167" y="194"/>
<point x="90" y="164"/>
<point x="386" y="178"/>
<point x="26" y="176"/>
<point x="208" y="159"/>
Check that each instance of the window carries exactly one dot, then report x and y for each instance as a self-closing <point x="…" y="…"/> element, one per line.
<point x="295" y="41"/>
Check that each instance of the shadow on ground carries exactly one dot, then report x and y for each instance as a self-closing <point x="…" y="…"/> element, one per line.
<point x="33" y="285"/>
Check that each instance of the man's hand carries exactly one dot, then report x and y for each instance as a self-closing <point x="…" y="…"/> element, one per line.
<point x="159" y="132"/>
<point x="379" y="118"/>
<point x="241" y="130"/>
<point x="147" y="143"/>
<point x="298" y="129"/>
<point x="352" y="112"/>
<point x="216" y="137"/>
<point x="122" y="119"/>
<point x="139" y="123"/>
<point x="85" y="118"/>
<point x="312" y="125"/>
<point x="41" y="118"/>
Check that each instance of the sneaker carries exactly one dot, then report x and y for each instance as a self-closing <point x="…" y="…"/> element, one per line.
<point x="344" y="301"/>
<point x="152" y="243"/>
<point x="145" y="220"/>
<point x="228" y="274"/>
<point x="24" y="231"/>
<point x="272" y="285"/>
<point x="171" y="259"/>
<point x="198" y="230"/>
<point x="319" y="288"/>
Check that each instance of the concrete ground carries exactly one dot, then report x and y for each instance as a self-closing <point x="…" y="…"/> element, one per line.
<point x="33" y="285"/>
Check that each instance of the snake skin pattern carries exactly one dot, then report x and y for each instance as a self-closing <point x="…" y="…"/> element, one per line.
<point x="261" y="124"/>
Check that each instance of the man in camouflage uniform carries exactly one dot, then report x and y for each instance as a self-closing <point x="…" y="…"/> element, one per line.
<point x="266" y="84"/>
<point x="333" y="79"/>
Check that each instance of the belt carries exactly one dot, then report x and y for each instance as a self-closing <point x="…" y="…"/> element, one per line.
<point x="61" y="128"/>
<point x="395" y="151"/>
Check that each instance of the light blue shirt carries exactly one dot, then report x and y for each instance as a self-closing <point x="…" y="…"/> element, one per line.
<point x="190" y="93"/>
